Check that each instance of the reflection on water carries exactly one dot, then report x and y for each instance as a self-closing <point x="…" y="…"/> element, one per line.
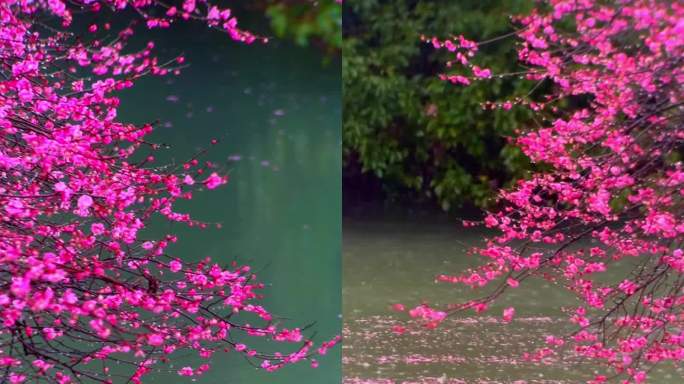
<point x="393" y="258"/>
<point x="275" y="111"/>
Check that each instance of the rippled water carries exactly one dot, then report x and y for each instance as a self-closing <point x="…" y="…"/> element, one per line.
<point x="392" y="258"/>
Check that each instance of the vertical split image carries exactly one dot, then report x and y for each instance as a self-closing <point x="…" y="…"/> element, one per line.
<point x="341" y="191"/>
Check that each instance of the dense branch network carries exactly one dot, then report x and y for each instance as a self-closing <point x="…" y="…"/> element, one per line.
<point x="609" y="103"/>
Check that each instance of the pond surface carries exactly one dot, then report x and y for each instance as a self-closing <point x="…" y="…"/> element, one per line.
<point x="275" y="110"/>
<point x="393" y="258"/>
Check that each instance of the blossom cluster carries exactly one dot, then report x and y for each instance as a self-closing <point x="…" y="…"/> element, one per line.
<point x="606" y="89"/>
<point x="81" y="288"/>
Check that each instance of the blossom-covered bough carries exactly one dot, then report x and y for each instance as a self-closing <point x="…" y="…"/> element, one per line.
<point x="607" y="90"/>
<point x="81" y="289"/>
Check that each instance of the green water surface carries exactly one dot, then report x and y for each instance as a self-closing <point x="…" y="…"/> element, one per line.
<point x="393" y="256"/>
<point x="275" y="110"/>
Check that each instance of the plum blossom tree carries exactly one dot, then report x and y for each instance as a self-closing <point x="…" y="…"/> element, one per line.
<point x="81" y="289"/>
<point x="606" y="87"/>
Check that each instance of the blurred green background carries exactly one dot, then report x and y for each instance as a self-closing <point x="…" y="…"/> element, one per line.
<point x="307" y="22"/>
<point x="275" y="109"/>
<point x="410" y="137"/>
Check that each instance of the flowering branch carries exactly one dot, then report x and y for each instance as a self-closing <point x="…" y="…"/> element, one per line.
<point x="610" y="184"/>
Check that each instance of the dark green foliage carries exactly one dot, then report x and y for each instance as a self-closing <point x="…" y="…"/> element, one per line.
<point x="307" y="21"/>
<point x="425" y="138"/>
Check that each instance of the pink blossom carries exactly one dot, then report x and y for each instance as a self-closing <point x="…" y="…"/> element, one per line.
<point x="175" y="266"/>
<point x="214" y="180"/>
<point x="84" y="202"/>
<point x="457" y="79"/>
<point x="21" y="286"/>
<point x="508" y="314"/>
<point x="155" y="339"/>
<point x="97" y="228"/>
<point x="482" y="73"/>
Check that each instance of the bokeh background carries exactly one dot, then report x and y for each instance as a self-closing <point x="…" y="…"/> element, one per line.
<point x="410" y="137"/>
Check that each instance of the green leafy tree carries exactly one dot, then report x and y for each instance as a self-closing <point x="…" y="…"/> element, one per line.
<point x="307" y="22"/>
<point x="422" y="137"/>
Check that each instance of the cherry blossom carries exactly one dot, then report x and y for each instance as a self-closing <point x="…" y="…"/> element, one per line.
<point x="606" y="90"/>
